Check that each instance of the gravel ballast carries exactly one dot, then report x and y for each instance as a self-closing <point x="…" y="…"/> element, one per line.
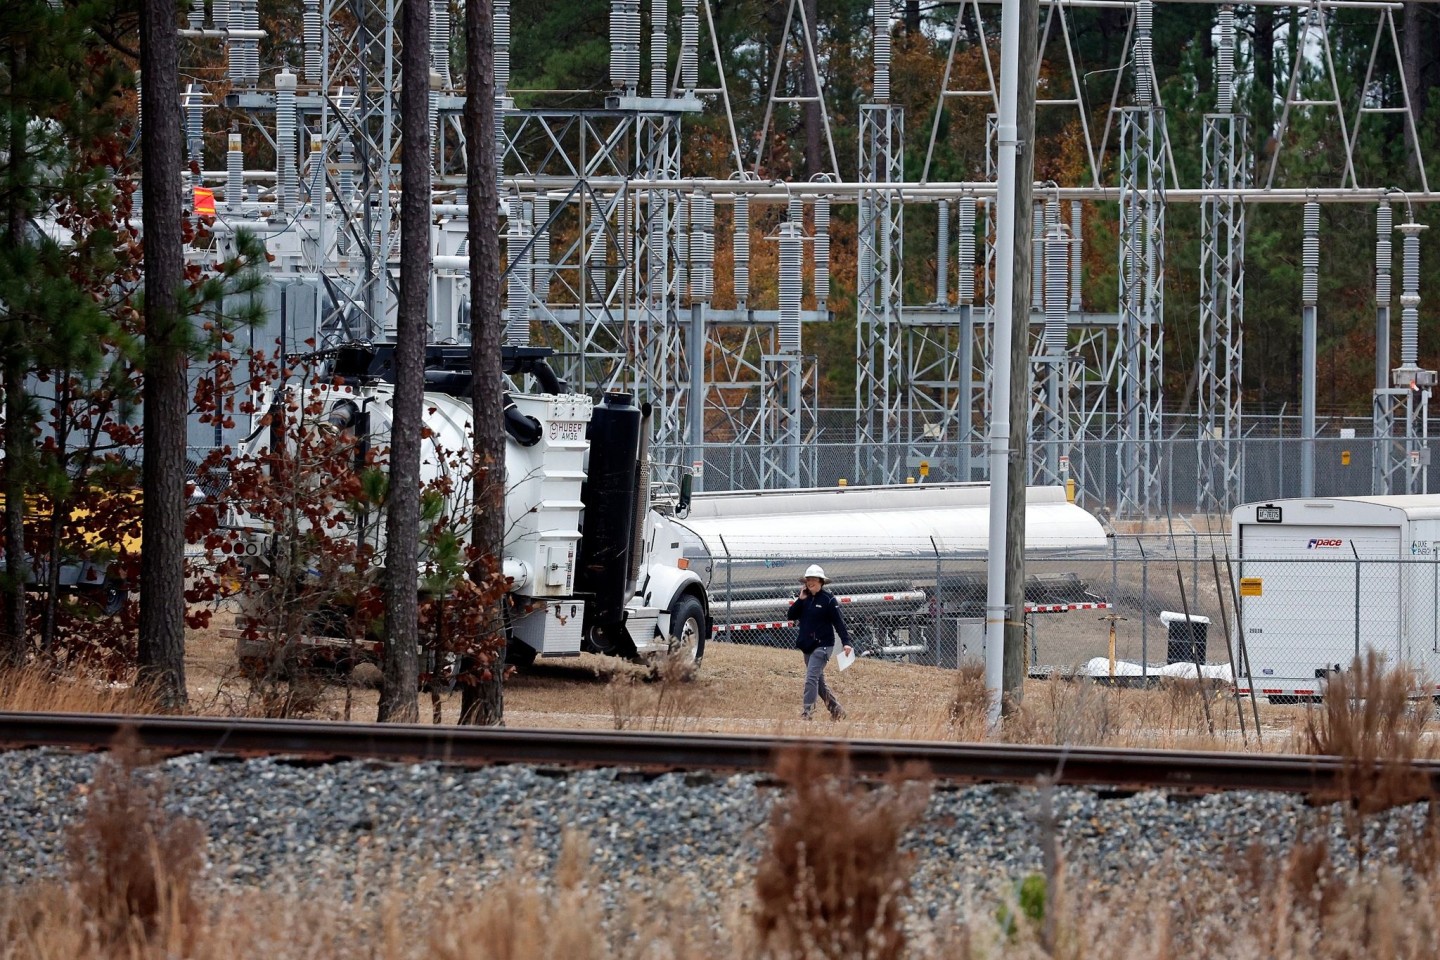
<point x="270" y="822"/>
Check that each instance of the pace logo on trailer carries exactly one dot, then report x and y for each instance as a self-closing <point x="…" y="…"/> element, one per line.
<point x="1324" y="543"/>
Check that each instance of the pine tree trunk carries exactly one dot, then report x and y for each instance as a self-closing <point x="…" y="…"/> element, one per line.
<point x="400" y="690"/>
<point x="484" y="703"/>
<point x="15" y="645"/>
<point x="162" y="562"/>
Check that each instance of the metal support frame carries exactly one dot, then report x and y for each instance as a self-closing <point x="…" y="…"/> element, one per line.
<point x="1142" y="303"/>
<point x="1222" y="314"/>
<point x="880" y="396"/>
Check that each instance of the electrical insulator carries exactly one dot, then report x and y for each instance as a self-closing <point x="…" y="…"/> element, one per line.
<point x="942" y="251"/>
<point x="791" y="255"/>
<point x="881" y="26"/>
<point x="541" y="249"/>
<point x="234" y="172"/>
<point x="502" y="146"/>
<point x="681" y="228"/>
<point x="284" y="141"/>
<point x="656" y="252"/>
<point x="1057" y="262"/>
<point x="312" y="28"/>
<point x="689" y="46"/>
<point x="195" y="123"/>
<point x="1225" y="61"/>
<point x="1410" y="293"/>
<point x="347" y="165"/>
<point x="625" y="46"/>
<point x="1144" y="22"/>
<point x="1384" y="227"/>
<point x="659" y="49"/>
<point x="702" y="246"/>
<point x="965" y="275"/>
<point x="502" y="47"/>
<point x="440" y="40"/>
<point x="433" y="101"/>
<point x="1310" y="256"/>
<point x="741" y="245"/>
<point x="595" y="260"/>
<point x="517" y="310"/>
<point x="243" y="56"/>
<point x="865" y="262"/>
<point x="1038" y="219"/>
<point x="196" y="19"/>
<point x="822" y="251"/>
<point x="1075" y="255"/>
<point x="316" y="160"/>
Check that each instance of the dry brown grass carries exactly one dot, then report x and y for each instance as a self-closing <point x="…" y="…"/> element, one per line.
<point x="38" y="689"/>
<point x="833" y="883"/>
<point x="830" y="885"/>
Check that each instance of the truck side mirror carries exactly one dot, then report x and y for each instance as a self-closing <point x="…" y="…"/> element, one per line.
<point x="687" y="484"/>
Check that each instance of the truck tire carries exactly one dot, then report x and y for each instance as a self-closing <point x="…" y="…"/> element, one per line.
<point x="518" y="653"/>
<point x="688" y="630"/>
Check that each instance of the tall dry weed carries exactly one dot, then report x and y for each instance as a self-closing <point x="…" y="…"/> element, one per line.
<point x="1370" y="719"/>
<point x="36" y="688"/>
<point x="522" y="920"/>
<point x="665" y="700"/>
<point x="133" y="866"/>
<point x="969" y="704"/>
<point x="1068" y="710"/>
<point x="833" y="882"/>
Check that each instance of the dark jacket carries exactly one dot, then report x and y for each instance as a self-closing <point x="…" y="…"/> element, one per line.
<point x="818" y="618"/>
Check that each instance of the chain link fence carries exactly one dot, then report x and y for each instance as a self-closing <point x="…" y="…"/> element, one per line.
<point x="1267" y="462"/>
<point x="1168" y="600"/>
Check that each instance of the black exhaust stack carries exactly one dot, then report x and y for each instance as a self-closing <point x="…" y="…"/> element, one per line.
<point x="607" y="530"/>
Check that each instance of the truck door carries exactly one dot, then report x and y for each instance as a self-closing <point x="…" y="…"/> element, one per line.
<point x="1307" y="604"/>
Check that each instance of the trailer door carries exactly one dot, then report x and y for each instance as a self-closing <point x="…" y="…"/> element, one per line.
<point x="1315" y="597"/>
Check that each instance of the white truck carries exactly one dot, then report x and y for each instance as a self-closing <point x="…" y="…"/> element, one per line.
<point x="1323" y="580"/>
<point x="591" y="563"/>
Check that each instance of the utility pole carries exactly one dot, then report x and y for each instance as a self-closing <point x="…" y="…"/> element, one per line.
<point x="1028" y="69"/>
<point x="1002" y="332"/>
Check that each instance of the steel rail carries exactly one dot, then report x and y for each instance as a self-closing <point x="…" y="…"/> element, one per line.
<point x="325" y="741"/>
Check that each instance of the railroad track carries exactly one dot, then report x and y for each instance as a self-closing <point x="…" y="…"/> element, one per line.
<point x="323" y="742"/>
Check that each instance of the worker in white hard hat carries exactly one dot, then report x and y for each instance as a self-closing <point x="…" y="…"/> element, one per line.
<point x="816" y="614"/>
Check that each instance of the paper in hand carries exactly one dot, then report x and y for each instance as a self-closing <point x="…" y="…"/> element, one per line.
<point x="843" y="659"/>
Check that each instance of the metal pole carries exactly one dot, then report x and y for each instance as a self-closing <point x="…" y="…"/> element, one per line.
<point x="1000" y="377"/>
<point x="1310" y="293"/>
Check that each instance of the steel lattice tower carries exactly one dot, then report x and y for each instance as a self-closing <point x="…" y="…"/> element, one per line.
<point x="1222" y="289"/>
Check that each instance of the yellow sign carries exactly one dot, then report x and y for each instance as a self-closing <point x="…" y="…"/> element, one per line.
<point x="1344" y="458"/>
<point x="1250" y="586"/>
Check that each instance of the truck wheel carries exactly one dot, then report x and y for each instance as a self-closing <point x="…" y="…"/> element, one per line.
<point x="687" y="631"/>
<point x="518" y="653"/>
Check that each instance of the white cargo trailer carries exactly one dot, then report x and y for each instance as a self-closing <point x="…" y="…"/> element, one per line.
<point x="1323" y="580"/>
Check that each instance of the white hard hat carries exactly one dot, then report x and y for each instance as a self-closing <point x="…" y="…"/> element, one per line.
<point x="815" y="570"/>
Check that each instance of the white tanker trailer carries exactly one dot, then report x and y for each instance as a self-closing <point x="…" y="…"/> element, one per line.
<point x="907" y="562"/>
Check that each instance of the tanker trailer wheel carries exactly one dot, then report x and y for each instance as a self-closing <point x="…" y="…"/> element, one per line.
<point x="687" y="631"/>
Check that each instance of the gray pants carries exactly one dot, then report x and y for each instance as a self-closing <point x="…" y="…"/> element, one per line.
<point x="815" y="662"/>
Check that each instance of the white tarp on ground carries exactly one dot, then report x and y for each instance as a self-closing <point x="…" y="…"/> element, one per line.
<point x="1100" y="667"/>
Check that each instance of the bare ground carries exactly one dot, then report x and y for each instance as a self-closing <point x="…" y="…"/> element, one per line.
<point x="749" y="689"/>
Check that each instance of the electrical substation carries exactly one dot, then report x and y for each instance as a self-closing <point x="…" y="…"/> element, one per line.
<point x="644" y="276"/>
